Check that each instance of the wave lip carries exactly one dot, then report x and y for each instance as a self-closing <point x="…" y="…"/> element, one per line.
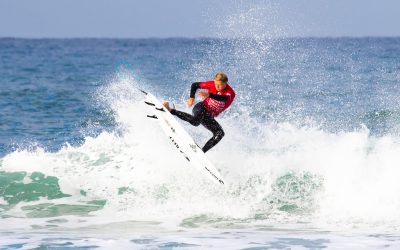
<point x="278" y="172"/>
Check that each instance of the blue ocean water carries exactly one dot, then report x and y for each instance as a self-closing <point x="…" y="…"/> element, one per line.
<point x="311" y="148"/>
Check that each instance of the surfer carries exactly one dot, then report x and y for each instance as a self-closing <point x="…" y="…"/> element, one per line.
<point x="218" y="98"/>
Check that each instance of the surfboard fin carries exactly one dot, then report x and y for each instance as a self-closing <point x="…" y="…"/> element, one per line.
<point x="149" y="103"/>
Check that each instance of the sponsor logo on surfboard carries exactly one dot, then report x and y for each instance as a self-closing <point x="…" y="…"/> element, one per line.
<point x="193" y="147"/>
<point x="169" y="125"/>
<point x="177" y="146"/>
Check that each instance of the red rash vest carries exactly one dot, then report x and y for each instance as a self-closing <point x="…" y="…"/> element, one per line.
<point x="213" y="106"/>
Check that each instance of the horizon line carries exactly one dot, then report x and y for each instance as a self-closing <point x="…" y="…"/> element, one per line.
<point x="192" y="38"/>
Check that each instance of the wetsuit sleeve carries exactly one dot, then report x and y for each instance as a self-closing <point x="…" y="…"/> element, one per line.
<point x="221" y="98"/>
<point x="194" y="88"/>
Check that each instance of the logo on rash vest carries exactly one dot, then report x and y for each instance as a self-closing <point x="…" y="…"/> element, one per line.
<point x="214" y="105"/>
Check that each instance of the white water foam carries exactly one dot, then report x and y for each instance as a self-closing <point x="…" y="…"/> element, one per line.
<point x="352" y="177"/>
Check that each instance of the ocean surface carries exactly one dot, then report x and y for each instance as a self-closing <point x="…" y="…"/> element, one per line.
<point x="311" y="155"/>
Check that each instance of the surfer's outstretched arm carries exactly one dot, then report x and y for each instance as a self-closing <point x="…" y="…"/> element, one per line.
<point x="195" y="86"/>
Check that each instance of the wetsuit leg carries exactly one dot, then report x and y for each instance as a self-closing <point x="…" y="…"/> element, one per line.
<point x="198" y="114"/>
<point x="201" y="116"/>
<point x="211" y="124"/>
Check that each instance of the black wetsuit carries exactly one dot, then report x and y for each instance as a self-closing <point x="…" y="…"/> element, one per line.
<point x="203" y="117"/>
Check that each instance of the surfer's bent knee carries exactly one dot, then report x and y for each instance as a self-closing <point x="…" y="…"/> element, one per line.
<point x="219" y="134"/>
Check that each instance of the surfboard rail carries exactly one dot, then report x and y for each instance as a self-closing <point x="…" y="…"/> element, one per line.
<point x="182" y="141"/>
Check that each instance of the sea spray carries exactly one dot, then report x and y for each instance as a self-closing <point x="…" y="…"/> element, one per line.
<point x="277" y="173"/>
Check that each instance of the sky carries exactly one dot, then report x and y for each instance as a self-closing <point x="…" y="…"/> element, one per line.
<point x="198" y="18"/>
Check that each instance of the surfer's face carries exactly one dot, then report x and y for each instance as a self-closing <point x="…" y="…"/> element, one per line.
<point x="219" y="85"/>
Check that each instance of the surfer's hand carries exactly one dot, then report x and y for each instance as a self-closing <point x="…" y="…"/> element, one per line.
<point x="204" y="95"/>
<point x="190" y="102"/>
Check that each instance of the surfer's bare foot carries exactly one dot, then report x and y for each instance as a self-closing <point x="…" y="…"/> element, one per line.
<point x="166" y="105"/>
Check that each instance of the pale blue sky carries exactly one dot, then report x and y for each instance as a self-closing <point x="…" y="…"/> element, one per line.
<point x="198" y="18"/>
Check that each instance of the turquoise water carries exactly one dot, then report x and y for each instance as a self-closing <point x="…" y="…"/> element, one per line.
<point x="310" y="154"/>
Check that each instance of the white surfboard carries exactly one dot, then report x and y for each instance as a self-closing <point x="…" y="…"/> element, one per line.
<point x="181" y="139"/>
